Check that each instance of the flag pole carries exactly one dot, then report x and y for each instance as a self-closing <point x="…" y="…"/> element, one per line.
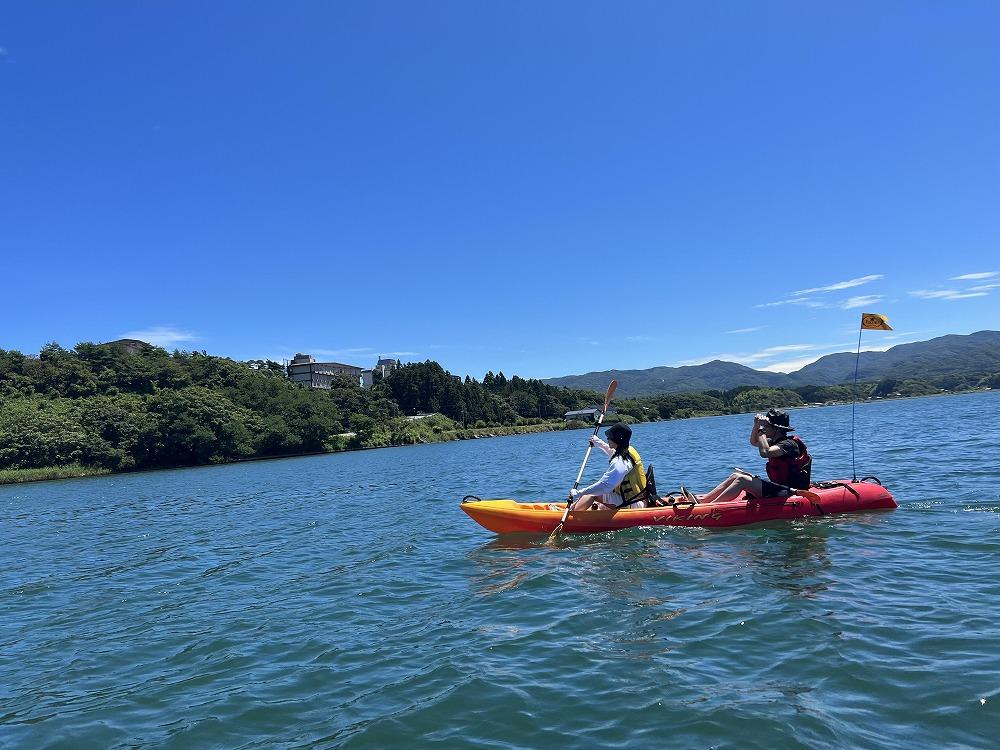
<point x="854" y="399"/>
<point x="872" y="321"/>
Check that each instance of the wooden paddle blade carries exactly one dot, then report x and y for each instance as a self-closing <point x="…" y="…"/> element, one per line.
<point x="611" y="392"/>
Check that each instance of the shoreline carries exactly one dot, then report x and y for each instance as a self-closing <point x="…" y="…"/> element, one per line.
<point x="9" y="477"/>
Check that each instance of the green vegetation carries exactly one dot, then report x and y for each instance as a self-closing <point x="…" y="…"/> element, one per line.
<point x="14" y="476"/>
<point x="100" y="408"/>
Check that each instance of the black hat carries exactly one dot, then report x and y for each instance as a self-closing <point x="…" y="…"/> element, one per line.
<point x="621" y="433"/>
<point x="778" y="418"/>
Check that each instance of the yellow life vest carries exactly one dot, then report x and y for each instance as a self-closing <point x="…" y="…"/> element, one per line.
<point x="634" y="483"/>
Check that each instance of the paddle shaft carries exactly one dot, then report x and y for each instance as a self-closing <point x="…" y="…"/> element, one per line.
<point x="590" y="447"/>
<point x="586" y="456"/>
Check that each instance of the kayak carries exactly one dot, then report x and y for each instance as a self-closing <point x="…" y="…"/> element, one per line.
<point x="504" y="516"/>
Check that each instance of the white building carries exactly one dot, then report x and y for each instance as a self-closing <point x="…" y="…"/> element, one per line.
<point x="306" y="370"/>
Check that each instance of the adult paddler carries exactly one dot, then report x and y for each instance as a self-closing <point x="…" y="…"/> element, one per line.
<point x="788" y="463"/>
<point x="624" y="483"/>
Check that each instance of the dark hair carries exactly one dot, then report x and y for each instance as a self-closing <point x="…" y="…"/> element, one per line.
<point x="621" y="434"/>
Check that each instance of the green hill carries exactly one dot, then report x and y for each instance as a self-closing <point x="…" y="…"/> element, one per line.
<point x="976" y="353"/>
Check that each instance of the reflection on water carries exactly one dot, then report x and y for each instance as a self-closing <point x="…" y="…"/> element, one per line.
<point x="793" y="558"/>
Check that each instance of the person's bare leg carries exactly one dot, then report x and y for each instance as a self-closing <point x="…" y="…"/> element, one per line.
<point x="726" y="484"/>
<point x="741" y="484"/>
<point x="714" y="493"/>
<point x="584" y="502"/>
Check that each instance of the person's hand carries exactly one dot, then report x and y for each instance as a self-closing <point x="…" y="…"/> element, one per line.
<point x="592" y="440"/>
<point x="574" y="494"/>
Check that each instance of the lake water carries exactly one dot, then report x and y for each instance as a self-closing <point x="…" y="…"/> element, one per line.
<point x="346" y="601"/>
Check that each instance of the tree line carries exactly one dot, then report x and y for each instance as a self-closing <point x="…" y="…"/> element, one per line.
<point x="101" y="405"/>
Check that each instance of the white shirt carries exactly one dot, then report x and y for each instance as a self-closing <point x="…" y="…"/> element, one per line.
<point x="617" y="470"/>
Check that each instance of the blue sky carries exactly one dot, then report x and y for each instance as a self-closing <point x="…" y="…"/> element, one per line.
<point x="542" y="188"/>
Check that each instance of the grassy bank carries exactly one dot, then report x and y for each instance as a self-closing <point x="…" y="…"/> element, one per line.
<point x="16" y="476"/>
<point x="435" y="429"/>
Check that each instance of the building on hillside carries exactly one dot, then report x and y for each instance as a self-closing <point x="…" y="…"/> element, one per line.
<point x="306" y="370"/>
<point x="585" y="415"/>
<point x="384" y="366"/>
<point x="582" y="415"/>
<point x="381" y="369"/>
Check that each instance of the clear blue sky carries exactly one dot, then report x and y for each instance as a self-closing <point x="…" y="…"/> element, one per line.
<point x="542" y="188"/>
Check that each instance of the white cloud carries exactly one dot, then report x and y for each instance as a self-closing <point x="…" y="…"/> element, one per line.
<point x="851" y="302"/>
<point x="791" y="365"/>
<point x="808" y="301"/>
<point x="358" y="352"/>
<point x="841" y="284"/>
<point x="351" y="351"/>
<point x="639" y="339"/>
<point x="166" y="336"/>
<point x="982" y="287"/>
<point x="753" y="359"/>
<point x="975" y="276"/>
<point x="946" y="294"/>
<point x="746" y="330"/>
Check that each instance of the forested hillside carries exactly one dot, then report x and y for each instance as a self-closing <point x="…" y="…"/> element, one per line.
<point x="100" y="405"/>
<point x="977" y="354"/>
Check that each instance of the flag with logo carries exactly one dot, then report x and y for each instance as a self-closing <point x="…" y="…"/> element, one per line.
<point x="874" y="322"/>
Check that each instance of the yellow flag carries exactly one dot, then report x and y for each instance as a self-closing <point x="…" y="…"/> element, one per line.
<point x="875" y="322"/>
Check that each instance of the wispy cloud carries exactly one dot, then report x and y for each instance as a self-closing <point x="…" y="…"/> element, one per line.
<point x="348" y="352"/>
<point x="359" y="352"/>
<point x="754" y="359"/>
<point x="841" y="285"/>
<point x="791" y="365"/>
<point x="640" y="339"/>
<point x="746" y="330"/>
<point x="947" y="294"/>
<point x="852" y="302"/>
<point x="166" y="336"/>
<point x="807" y="301"/>
<point x="975" y="276"/>
<point x="982" y="287"/>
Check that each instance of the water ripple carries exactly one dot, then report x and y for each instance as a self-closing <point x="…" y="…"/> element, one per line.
<point x="258" y="605"/>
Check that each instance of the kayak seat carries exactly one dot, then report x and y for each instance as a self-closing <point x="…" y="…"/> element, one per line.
<point x="648" y="495"/>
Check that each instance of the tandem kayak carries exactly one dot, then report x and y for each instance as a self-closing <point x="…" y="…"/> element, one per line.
<point x="511" y="517"/>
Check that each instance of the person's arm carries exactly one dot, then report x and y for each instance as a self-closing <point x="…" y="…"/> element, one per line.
<point x="755" y="430"/>
<point x="767" y="450"/>
<point x="594" y="440"/>
<point x="612" y="478"/>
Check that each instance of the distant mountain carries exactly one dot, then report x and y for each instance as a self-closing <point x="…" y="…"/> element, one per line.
<point x="945" y="355"/>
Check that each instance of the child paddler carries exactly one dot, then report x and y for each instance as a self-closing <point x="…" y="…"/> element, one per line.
<point x="624" y="483"/>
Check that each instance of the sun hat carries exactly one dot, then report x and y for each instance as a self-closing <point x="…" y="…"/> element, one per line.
<point x="620" y="433"/>
<point x="778" y="418"/>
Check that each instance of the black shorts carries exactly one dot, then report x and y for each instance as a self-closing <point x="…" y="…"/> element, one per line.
<point x="770" y="489"/>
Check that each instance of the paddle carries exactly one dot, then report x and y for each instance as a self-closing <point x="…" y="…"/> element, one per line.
<point x="586" y="457"/>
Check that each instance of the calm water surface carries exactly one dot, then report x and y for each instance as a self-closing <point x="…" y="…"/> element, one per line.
<point x="346" y="601"/>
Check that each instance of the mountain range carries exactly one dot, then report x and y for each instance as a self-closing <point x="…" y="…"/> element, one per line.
<point x="945" y="355"/>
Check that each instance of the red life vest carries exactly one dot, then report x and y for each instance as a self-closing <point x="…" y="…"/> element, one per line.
<point x="791" y="472"/>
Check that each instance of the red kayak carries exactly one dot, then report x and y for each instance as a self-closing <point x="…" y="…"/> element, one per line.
<point x="825" y="498"/>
